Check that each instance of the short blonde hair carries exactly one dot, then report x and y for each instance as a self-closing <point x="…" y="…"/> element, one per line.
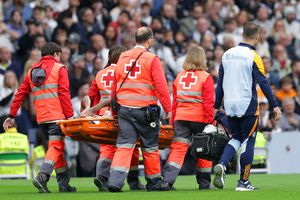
<point x="195" y="59"/>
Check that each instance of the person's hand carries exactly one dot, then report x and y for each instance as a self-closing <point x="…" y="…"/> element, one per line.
<point x="216" y="111"/>
<point x="9" y="122"/>
<point x="87" y="112"/>
<point x="277" y="113"/>
<point x="168" y="115"/>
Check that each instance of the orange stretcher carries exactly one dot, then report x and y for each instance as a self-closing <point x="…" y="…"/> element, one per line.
<point x="104" y="130"/>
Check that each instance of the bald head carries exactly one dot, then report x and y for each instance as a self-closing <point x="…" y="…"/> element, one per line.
<point x="143" y="34"/>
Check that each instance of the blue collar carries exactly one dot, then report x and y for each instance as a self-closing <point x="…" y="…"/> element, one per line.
<point x="247" y="45"/>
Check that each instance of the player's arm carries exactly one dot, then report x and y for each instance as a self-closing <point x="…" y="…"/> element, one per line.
<point x="260" y="76"/>
<point x="219" y="90"/>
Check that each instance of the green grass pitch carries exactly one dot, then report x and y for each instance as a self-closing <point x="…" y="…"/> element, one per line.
<point x="272" y="187"/>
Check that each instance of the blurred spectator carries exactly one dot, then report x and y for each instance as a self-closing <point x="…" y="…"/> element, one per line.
<point x="78" y="74"/>
<point x="111" y="35"/>
<point x="229" y="9"/>
<point x="9" y="62"/>
<point x="265" y="123"/>
<point x="290" y="121"/>
<point x="295" y="74"/>
<point x="7" y="91"/>
<point x="280" y="61"/>
<point x="5" y="37"/>
<point x="72" y="10"/>
<point x="87" y="26"/>
<point x="101" y="14"/>
<point x="292" y="26"/>
<point x="98" y="63"/>
<point x="146" y="17"/>
<point x="286" y="89"/>
<point x="65" y="56"/>
<point x="262" y="18"/>
<point x="230" y="30"/>
<point x="49" y="22"/>
<point x="90" y="55"/>
<point x="189" y="24"/>
<point x="26" y="42"/>
<point x="98" y="43"/>
<point x="241" y="19"/>
<point x="19" y="5"/>
<point x="73" y="44"/>
<point x="263" y="48"/>
<point x="116" y="11"/>
<point x="271" y="74"/>
<point x="169" y="20"/>
<point x="16" y="27"/>
<point x="57" y="5"/>
<point x="202" y="30"/>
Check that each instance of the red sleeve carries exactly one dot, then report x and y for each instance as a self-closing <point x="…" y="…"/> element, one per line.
<point x="23" y="91"/>
<point x="94" y="93"/>
<point x="208" y="99"/>
<point x="174" y="103"/>
<point x="160" y="83"/>
<point x="64" y="93"/>
<point x="113" y="90"/>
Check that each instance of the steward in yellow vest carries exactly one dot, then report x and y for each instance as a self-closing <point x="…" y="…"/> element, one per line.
<point x="12" y="141"/>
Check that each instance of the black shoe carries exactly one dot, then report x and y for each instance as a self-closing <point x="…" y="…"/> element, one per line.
<point x="172" y="188"/>
<point x="210" y="187"/>
<point x="67" y="188"/>
<point x="63" y="180"/>
<point x="114" y="189"/>
<point x="137" y="186"/>
<point x="159" y="186"/>
<point x="40" y="182"/>
<point x="101" y="183"/>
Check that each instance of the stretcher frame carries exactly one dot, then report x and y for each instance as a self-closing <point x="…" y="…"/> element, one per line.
<point x="104" y="130"/>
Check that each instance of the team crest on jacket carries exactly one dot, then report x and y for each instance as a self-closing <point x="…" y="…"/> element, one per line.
<point x="188" y="80"/>
<point x="134" y="71"/>
<point x="107" y="79"/>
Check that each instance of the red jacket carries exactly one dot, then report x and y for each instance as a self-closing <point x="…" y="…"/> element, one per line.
<point x="159" y="81"/>
<point x="208" y="100"/>
<point x="63" y="88"/>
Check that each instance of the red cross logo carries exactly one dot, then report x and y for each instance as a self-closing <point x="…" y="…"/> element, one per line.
<point x="136" y="70"/>
<point x="107" y="79"/>
<point x="188" y="80"/>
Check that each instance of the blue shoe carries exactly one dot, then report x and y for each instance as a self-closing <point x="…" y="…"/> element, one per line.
<point x="219" y="180"/>
<point x="245" y="186"/>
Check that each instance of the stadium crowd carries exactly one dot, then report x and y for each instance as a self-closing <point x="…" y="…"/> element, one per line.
<point x="87" y="29"/>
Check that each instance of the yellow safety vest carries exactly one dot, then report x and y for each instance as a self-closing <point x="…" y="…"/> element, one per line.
<point x="260" y="142"/>
<point x="12" y="141"/>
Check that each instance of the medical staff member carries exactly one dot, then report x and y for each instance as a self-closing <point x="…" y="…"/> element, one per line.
<point x="100" y="90"/>
<point x="48" y="82"/>
<point x="240" y="71"/>
<point x="138" y="115"/>
<point x="192" y="110"/>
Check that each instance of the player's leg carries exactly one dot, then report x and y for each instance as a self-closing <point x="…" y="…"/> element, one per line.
<point x="179" y="147"/>
<point x="249" y="131"/>
<point x="103" y="166"/>
<point x="229" y="152"/>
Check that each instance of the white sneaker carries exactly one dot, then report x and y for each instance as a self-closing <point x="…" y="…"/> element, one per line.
<point x="219" y="180"/>
<point x="245" y="186"/>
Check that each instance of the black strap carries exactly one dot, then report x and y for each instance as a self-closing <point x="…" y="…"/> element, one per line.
<point x="132" y="66"/>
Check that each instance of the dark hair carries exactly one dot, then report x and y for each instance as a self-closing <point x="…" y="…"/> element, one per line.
<point x="143" y="34"/>
<point x="126" y="13"/>
<point x="50" y="48"/>
<point x="114" y="54"/>
<point x="250" y="30"/>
